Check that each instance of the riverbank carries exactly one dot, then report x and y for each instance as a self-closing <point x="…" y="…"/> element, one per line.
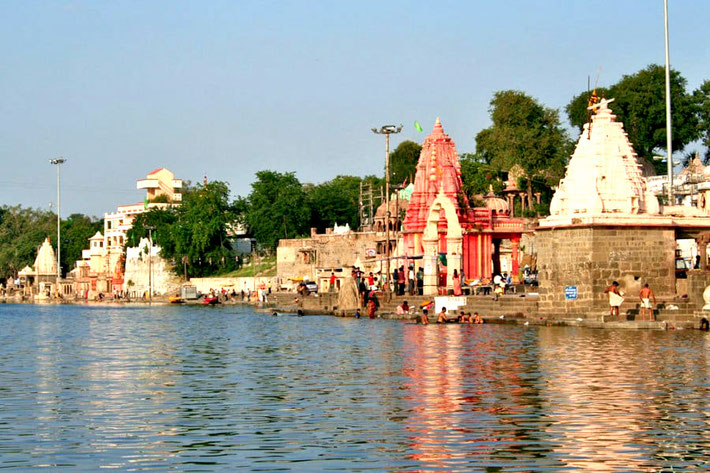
<point x="511" y="309"/>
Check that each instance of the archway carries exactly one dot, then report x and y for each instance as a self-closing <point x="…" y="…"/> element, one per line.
<point x="430" y="242"/>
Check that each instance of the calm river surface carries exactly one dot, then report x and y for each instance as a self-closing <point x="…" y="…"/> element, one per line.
<point x="225" y="389"/>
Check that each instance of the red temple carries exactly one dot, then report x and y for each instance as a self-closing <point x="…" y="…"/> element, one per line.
<point x="439" y="219"/>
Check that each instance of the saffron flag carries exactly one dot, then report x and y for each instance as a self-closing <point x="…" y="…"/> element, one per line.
<point x="418" y="126"/>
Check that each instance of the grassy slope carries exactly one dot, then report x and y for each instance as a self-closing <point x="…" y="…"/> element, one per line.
<point x="265" y="267"/>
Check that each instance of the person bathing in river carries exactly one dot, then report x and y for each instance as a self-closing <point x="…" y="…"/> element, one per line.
<point x="372" y="304"/>
<point x="423" y="319"/>
<point x="441" y="319"/>
<point x="477" y="318"/>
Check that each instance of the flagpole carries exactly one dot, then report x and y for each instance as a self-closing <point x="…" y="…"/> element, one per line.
<point x="669" y="136"/>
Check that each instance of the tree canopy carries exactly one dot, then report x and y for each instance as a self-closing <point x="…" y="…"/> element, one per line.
<point x="403" y="162"/>
<point x="76" y="231"/>
<point x="640" y="102"/>
<point x="478" y="177"/>
<point x="525" y="133"/>
<point x="193" y="234"/>
<point x="334" y="201"/>
<point x="22" y="231"/>
<point x="701" y="97"/>
<point x="277" y="207"/>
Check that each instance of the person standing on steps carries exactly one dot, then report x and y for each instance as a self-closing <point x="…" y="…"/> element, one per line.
<point x="615" y="298"/>
<point x="646" y="295"/>
<point x="401" y="281"/>
<point x="457" y="283"/>
<point x="420" y="281"/>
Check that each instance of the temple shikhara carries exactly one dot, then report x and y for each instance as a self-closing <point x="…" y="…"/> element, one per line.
<point x="604" y="175"/>
<point x="432" y="226"/>
<point x="440" y="224"/>
<point x="606" y="225"/>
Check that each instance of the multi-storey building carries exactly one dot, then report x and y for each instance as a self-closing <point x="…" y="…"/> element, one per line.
<point x="100" y="270"/>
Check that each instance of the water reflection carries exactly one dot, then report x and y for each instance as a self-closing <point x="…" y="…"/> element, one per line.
<point x="212" y="389"/>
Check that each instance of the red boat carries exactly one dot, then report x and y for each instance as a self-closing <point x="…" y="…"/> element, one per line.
<point x="210" y="300"/>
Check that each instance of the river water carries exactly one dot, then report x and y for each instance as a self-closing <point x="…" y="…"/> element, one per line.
<point x="225" y="389"/>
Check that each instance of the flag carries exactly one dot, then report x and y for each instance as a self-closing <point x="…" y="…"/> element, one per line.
<point x="418" y="126"/>
<point x="145" y="203"/>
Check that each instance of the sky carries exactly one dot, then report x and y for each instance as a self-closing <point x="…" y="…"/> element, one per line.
<point x="225" y="89"/>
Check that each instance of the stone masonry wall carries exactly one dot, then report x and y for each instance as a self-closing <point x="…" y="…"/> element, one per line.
<point x="590" y="258"/>
<point x="321" y="251"/>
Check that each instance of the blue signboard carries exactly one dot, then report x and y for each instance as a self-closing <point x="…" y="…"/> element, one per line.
<point x="570" y="292"/>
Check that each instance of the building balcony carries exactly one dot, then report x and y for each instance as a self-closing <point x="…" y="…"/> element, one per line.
<point x="148" y="184"/>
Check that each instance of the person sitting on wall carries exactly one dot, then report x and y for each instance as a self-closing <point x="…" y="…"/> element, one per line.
<point x="403" y="309"/>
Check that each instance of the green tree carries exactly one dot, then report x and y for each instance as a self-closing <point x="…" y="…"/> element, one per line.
<point x="403" y="162"/>
<point x="162" y="221"/>
<point x="478" y="176"/>
<point x="76" y="231"/>
<point x="640" y="102"/>
<point x="334" y="201"/>
<point x="277" y="208"/>
<point x="22" y="231"/>
<point x="701" y="97"/>
<point x="194" y="233"/>
<point x="527" y="134"/>
<point x="577" y="111"/>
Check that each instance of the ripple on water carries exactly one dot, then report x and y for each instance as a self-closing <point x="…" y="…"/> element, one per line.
<point x="210" y="389"/>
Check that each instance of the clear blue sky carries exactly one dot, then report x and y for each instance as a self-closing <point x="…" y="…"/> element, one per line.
<point x="228" y="88"/>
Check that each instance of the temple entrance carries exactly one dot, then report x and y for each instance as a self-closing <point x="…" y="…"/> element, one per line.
<point x="433" y="243"/>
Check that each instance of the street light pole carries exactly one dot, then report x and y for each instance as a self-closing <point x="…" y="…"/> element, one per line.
<point x="150" y="229"/>
<point x="387" y="130"/>
<point x="58" y="162"/>
<point x="669" y="140"/>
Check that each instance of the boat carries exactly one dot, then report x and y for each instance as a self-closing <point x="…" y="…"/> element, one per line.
<point x="176" y="300"/>
<point x="210" y="300"/>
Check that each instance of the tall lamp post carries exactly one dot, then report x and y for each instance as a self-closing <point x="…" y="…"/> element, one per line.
<point x="58" y="162"/>
<point x="669" y="137"/>
<point x="387" y="130"/>
<point x="150" y="229"/>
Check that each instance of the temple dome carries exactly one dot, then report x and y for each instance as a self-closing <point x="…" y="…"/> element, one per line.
<point x="498" y="205"/>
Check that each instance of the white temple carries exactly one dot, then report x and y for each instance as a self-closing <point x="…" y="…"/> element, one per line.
<point x="604" y="174"/>
<point x="604" y="178"/>
<point x="45" y="266"/>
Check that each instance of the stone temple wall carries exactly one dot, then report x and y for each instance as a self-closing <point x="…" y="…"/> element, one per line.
<point x="136" y="277"/>
<point x="325" y="251"/>
<point x="590" y="258"/>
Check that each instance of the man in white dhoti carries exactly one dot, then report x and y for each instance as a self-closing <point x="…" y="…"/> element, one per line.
<point x="615" y="298"/>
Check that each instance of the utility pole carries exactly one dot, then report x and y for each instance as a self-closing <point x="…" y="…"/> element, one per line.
<point x="669" y="137"/>
<point x="387" y="130"/>
<point x="58" y="162"/>
<point x="150" y="229"/>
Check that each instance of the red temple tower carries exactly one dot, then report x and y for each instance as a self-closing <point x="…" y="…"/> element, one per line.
<point x="439" y="219"/>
